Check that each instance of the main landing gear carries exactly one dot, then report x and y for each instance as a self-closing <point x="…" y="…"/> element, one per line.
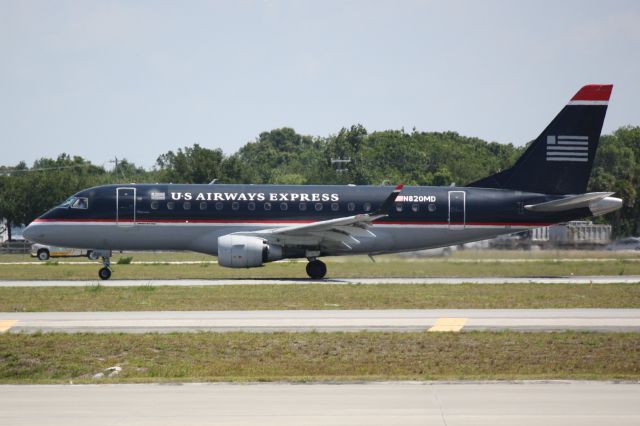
<point x="316" y="269"/>
<point x="105" y="273"/>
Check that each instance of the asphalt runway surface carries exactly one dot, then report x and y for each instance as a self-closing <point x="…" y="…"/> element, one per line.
<point x="325" y="320"/>
<point x="393" y="403"/>
<point x="600" y="279"/>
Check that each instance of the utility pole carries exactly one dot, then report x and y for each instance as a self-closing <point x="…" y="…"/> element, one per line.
<point x="340" y="164"/>
<point x="115" y="169"/>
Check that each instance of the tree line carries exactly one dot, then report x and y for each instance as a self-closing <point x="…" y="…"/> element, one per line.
<point x="353" y="155"/>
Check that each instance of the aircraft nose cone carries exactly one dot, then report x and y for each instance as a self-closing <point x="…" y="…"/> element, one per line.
<point x="29" y="232"/>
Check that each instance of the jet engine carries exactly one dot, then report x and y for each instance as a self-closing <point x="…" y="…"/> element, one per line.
<point x="242" y="251"/>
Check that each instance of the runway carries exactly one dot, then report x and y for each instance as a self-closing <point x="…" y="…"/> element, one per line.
<point x="326" y="320"/>
<point x="599" y="279"/>
<point x="395" y="403"/>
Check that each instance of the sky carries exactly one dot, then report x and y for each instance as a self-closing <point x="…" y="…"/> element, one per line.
<point x="135" y="79"/>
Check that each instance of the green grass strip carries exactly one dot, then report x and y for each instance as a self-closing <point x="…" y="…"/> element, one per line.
<point x="318" y="296"/>
<point x="56" y="270"/>
<point x="60" y="358"/>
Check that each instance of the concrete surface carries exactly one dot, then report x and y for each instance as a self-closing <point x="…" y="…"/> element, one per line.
<point x="600" y="279"/>
<point x="399" y="403"/>
<point x="326" y="320"/>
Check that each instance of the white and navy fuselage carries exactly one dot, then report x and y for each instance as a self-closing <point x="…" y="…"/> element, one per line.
<point x="247" y="225"/>
<point x="192" y="217"/>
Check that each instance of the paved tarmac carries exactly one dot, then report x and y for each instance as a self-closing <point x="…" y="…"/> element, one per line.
<point x="326" y="320"/>
<point x="394" y="403"/>
<point x="600" y="279"/>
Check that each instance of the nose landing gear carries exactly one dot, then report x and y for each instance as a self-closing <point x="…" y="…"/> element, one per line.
<point x="316" y="269"/>
<point x="105" y="272"/>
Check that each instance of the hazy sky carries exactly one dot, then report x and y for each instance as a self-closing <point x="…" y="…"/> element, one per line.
<point x="135" y="79"/>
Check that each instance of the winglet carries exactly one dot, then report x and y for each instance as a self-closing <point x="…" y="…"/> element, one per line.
<point x="386" y="205"/>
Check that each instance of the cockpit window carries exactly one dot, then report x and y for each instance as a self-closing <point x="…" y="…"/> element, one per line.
<point x="80" y="203"/>
<point x="68" y="202"/>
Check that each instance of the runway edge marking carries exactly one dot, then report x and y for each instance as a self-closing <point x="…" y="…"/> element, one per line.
<point x="448" y="324"/>
<point x="5" y="325"/>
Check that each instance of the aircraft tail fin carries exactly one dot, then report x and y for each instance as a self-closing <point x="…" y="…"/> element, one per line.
<point x="559" y="161"/>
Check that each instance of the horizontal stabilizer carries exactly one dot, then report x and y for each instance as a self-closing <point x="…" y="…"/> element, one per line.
<point x="568" y="203"/>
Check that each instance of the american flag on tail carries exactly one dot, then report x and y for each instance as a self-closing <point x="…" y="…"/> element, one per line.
<point x="568" y="148"/>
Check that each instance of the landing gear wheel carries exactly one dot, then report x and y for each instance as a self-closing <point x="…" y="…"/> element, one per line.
<point x="104" y="273"/>
<point x="43" y="254"/>
<point x="316" y="269"/>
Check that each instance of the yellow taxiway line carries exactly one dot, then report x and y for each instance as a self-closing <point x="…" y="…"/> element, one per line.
<point x="6" y="325"/>
<point x="449" y="324"/>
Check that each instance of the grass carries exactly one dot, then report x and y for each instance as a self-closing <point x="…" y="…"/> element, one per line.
<point x="60" y="358"/>
<point x="337" y="267"/>
<point x="320" y="296"/>
<point x="463" y="263"/>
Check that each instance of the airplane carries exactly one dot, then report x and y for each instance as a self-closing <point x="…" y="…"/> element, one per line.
<point x="249" y="225"/>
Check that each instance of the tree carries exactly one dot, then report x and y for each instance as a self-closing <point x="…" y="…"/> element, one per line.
<point x="8" y="205"/>
<point x="348" y="144"/>
<point x="192" y="165"/>
<point x="616" y="168"/>
<point x="281" y="156"/>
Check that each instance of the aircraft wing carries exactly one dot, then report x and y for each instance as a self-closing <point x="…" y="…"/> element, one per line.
<point x="343" y="231"/>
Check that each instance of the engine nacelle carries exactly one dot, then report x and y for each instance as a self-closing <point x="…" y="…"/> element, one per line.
<point x="241" y="251"/>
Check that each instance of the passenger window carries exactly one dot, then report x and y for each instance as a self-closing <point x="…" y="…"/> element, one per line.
<point x="235" y="205"/>
<point x="398" y="207"/>
<point x="415" y="207"/>
<point x="186" y="205"/>
<point x="351" y="206"/>
<point x="302" y="207"/>
<point x="267" y="206"/>
<point x="203" y="205"/>
<point x="318" y="207"/>
<point x="251" y="206"/>
<point x="366" y="207"/>
<point x="80" y="203"/>
<point x="431" y="207"/>
<point x="335" y="207"/>
<point x="219" y="206"/>
<point x="155" y="205"/>
<point x="284" y="206"/>
<point x="171" y="205"/>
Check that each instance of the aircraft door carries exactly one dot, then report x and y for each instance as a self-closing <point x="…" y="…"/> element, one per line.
<point x="125" y="206"/>
<point x="457" y="213"/>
